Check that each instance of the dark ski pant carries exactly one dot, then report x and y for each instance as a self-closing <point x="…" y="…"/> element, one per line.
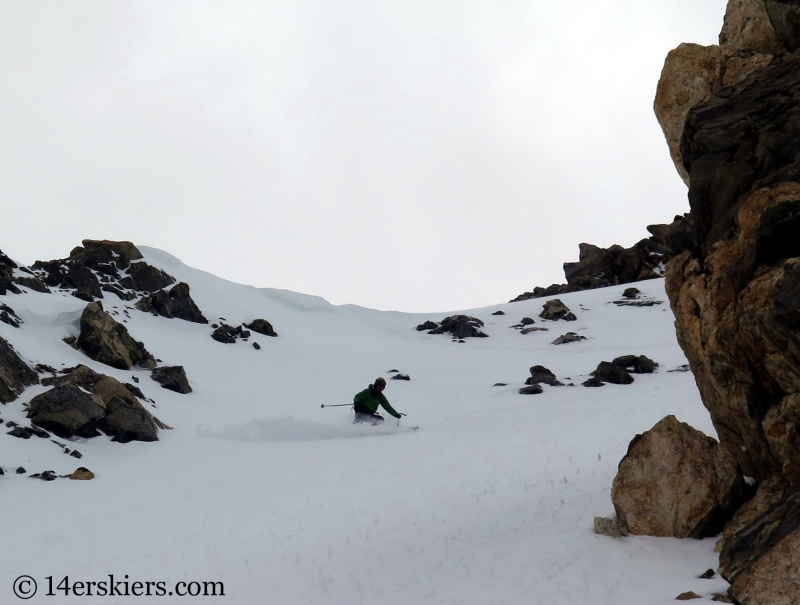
<point x="364" y="415"/>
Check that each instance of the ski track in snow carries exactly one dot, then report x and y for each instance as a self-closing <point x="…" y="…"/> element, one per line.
<point x="492" y="501"/>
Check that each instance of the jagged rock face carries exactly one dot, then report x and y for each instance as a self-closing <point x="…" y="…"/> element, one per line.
<point x="96" y="267"/>
<point x="177" y="303"/>
<point x="603" y="267"/>
<point x="106" y="341"/>
<point x="676" y="481"/>
<point x="7" y="267"/>
<point x="754" y="33"/>
<point x="15" y="374"/>
<point x="736" y="293"/>
<point x="762" y="561"/>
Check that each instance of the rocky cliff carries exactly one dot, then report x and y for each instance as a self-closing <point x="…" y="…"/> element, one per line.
<point x="731" y="117"/>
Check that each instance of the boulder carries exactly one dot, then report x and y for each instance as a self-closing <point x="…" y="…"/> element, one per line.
<point x="631" y="293"/>
<point x="555" y="310"/>
<point x="608" y="371"/>
<point x="226" y="334"/>
<point x="107" y="341"/>
<point x="81" y="474"/>
<point x="534" y="329"/>
<point x="126" y="419"/>
<point x="428" y="325"/>
<point x="177" y="303"/>
<point x="543" y="375"/>
<point x="123" y="417"/>
<point x="460" y="326"/>
<point x="499" y="313"/>
<point x="67" y="411"/>
<point x="613" y="528"/>
<point x="172" y="378"/>
<point x="567" y="338"/>
<point x="638" y="364"/>
<point x="401" y="377"/>
<point x="526" y="321"/>
<point x="15" y="374"/>
<point x="533" y="389"/>
<point x="675" y="481"/>
<point x="262" y="326"/>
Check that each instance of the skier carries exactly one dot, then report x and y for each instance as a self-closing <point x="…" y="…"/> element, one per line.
<point x="366" y="403"/>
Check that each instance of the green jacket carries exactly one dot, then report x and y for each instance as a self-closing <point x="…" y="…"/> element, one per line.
<point x="371" y="399"/>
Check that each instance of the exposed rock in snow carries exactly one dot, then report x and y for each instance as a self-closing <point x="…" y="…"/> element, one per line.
<point x="543" y="375"/>
<point x="177" y="303"/>
<point x="15" y="374"/>
<point x="555" y="310"/>
<point x="70" y="413"/>
<point x="172" y="378"/>
<point x="262" y="326"/>
<point x="107" y="341"/>
<point x="460" y="326"/>
<point x="9" y="316"/>
<point x="608" y="371"/>
<point x="66" y="411"/>
<point x="228" y="334"/>
<point x="567" y="338"/>
<point x="81" y="474"/>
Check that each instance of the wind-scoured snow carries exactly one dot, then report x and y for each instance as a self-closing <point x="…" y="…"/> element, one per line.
<point x="258" y="487"/>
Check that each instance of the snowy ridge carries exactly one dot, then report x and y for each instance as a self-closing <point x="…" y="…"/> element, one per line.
<point x="492" y="501"/>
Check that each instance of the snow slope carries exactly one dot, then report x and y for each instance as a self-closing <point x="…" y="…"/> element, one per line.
<point x="492" y="501"/>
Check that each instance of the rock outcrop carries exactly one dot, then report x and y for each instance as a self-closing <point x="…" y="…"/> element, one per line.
<point x="676" y="481"/>
<point x="67" y="410"/>
<point x="731" y="116"/>
<point x="15" y="374"/>
<point x="7" y="267"/>
<point x="96" y="267"/>
<point x="603" y="267"/>
<point x="107" y="341"/>
<point x="177" y="303"/>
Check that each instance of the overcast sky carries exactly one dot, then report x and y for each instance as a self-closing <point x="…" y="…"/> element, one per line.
<point x="423" y="155"/>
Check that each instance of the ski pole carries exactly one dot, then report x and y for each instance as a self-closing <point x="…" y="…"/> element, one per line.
<point x="335" y="405"/>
